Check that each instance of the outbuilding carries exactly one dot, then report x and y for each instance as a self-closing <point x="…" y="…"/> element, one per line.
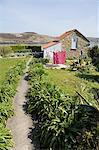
<point x="50" y="48"/>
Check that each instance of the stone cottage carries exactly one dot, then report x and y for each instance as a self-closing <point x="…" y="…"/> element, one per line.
<point x="74" y="43"/>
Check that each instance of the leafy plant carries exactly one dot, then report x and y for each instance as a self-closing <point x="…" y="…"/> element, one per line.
<point x="7" y="92"/>
<point x="5" y="138"/>
<point x="5" y="50"/>
<point x="64" y="122"/>
<point x="94" y="55"/>
<point x="83" y="65"/>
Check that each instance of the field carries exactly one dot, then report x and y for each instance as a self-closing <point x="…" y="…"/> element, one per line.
<point x="6" y="64"/>
<point x="71" y="81"/>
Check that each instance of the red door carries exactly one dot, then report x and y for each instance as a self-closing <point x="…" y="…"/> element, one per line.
<point x="59" y="57"/>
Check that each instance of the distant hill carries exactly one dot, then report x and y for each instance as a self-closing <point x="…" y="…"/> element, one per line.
<point x="93" y="41"/>
<point x="24" y="38"/>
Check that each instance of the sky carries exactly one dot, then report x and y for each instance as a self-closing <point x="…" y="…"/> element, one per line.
<point x="51" y="17"/>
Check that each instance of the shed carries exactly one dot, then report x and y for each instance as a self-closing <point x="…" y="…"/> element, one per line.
<point x="50" y="48"/>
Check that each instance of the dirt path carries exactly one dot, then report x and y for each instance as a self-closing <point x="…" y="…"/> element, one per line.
<point x="21" y="123"/>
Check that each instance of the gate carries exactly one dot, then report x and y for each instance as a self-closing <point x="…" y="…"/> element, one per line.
<point x="59" y="57"/>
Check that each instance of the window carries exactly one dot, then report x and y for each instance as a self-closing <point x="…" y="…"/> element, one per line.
<point x="74" y="43"/>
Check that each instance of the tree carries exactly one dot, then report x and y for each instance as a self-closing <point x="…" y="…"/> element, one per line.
<point x="94" y="54"/>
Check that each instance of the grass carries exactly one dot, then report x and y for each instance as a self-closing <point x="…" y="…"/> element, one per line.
<point x="6" y="64"/>
<point x="70" y="81"/>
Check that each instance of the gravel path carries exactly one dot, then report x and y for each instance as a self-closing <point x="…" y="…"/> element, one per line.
<point x="20" y="124"/>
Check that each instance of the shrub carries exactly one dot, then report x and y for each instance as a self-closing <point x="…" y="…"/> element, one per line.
<point x="5" y="50"/>
<point x="94" y="54"/>
<point x="83" y="65"/>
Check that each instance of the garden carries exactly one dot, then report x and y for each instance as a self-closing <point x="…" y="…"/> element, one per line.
<point x="11" y="71"/>
<point x="64" y="104"/>
<point x="6" y="64"/>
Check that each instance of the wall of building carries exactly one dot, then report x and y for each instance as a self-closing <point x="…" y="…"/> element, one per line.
<point x="48" y="52"/>
<point x="67" y="45"/>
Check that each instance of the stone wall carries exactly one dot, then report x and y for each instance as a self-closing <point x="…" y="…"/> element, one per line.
<point x="81" y="46"/>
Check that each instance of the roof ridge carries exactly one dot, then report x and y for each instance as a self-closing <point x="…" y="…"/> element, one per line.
<point x="67" y="32"/>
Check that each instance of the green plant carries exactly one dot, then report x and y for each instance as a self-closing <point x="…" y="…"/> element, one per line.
<point x="7" y="92"/>
<point x="93" y="53"/>
<point x="83" y="65"/>
<point x="63" y="120"/>
<point x="5" y="50"/>
<point x="5" y="138"/>
<point x="20" y="48"/>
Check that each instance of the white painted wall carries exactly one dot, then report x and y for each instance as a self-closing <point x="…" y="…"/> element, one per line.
<point x="48" y="52"/>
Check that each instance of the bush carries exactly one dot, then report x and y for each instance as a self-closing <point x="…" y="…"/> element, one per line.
<point x="83" y="65"/>
<point x="20" y="49"/>
<point x="5" y="50"/>
<point x="94" y="54"/>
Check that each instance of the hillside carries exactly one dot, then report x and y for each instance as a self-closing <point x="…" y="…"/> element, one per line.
<point x="24" y="38"/>
<point x="93" y="41"/>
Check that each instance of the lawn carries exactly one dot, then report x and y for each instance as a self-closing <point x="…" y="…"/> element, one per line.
<point x="71" y="81"/>
<point x="6" y="64"/>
